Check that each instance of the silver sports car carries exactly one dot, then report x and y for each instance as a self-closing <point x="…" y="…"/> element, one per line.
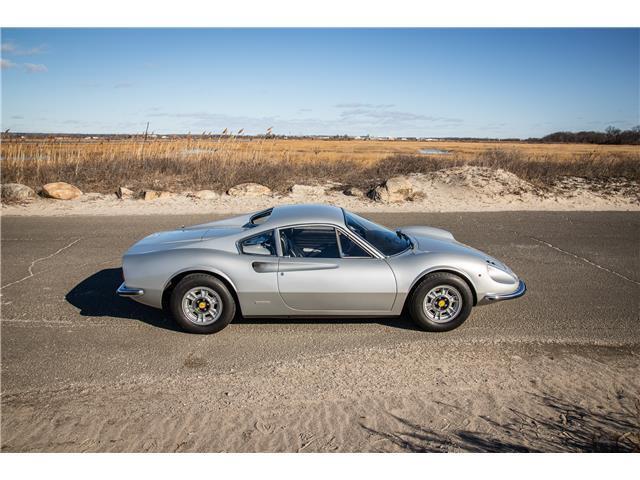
<point x="312" y="261"/>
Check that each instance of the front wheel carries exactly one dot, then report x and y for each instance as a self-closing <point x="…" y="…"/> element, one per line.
<point x="201" y="303"/>
<point x="441" y="302"/>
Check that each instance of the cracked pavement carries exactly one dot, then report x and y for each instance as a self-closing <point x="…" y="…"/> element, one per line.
<point x="61" y="321"/>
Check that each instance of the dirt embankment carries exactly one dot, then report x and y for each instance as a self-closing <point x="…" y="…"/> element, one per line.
<point x="458" y="189"/>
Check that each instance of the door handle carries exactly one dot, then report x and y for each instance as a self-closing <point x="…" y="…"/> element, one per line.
<point x="265" y="267"/>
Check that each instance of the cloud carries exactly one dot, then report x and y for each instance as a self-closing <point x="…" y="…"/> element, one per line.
<point x="8" y="47"/>
<point x="356" y="121"/>
<point x="17" y="117"/>
<point x="35" y="67"/>
<point x="364" y="105"/>
<point x="384" y="116"/>
<point x="15" y="49"/>
<point x="371" y="115"/>
<point x="28" y="67"/>
<point x="123" y="85"/>
<point x="304" y="110"/>
<point x="4" y="63"/>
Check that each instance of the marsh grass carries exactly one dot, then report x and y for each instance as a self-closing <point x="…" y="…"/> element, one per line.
<point x="218" y="164"/>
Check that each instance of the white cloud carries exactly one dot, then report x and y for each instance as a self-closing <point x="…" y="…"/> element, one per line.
<point x="35" y="67"/>
<point x="364" y="105"/>
<point x="15" y="49"/>
<point x="8" y="47"/>
<point x="380" y="115"/>
<point x="4" y="63"/>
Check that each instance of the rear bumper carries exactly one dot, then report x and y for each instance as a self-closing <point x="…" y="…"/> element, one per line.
<point x="498" y="297"/>
<point x="125" y="291"/>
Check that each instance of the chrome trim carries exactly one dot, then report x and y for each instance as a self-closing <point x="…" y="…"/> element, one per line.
<point x="497" y="297"/>
<point x="125" y="291"/>
<point x="354" y="238"/>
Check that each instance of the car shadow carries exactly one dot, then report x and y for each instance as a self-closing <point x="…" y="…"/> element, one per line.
<point x="95" y="296"/>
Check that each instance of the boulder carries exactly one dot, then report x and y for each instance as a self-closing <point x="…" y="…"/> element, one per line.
<point x="205" y="195"/>
<point x="396" y="189"/>
<point x="150" y="195"/>
<point x="249" y="190"/>
<point x="61" y="191"/>
<point x="307" y="190"/>
<point x="124" y="193"/>
<point x="166" y="194"/>
<point x="16" y="192"/>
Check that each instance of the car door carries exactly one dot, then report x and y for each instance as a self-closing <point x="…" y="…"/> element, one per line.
<point x="323" y="271"/>
<point x="256" y="275"/>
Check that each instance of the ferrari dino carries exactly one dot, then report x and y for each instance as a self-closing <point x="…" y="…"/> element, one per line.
<point x="312" y="261"/>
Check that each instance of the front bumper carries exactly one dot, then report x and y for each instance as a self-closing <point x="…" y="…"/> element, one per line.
<point x="498" y="297"/>
<point x="125" y="291"/>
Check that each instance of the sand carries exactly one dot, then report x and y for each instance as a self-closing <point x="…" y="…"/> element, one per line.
<point x="456" y="397"/>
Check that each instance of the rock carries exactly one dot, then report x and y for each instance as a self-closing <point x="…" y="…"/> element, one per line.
<point x="150" y="195"/>
<point x="396" y="189"/>
<point x="124" y="193"/>
<point x="353" y="192"/>
<point x="205" y="195"/>
<point x="154" y="195"/>
<point x="249" y="190"/>
<point x="16" y="192"/>
<point x="61" y="191"/>
<point x="307" y="190"/>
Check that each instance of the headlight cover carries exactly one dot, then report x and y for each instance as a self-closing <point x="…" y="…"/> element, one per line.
<point x="500" y="274"/>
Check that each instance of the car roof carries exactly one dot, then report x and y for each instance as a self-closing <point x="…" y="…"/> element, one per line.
<point x="308" y="213"/>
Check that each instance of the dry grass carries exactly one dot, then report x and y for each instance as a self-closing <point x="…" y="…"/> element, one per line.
<point x="189" y="164"/>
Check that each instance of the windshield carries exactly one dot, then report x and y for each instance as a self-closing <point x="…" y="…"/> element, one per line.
<point x="386" y="241"/>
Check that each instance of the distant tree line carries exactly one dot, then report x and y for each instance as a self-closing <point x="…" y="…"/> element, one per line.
<point x="611" y="136"/>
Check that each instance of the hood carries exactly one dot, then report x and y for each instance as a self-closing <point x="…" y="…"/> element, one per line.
<point x="420" y="231"/>
<point x="437" y="240"/>
<point x="181" y="237"/>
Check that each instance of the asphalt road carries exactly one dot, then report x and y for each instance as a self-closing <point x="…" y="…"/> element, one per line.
<point x="63" y="324"/>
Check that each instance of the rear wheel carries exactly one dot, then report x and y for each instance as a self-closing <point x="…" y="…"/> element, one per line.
<point x="201" y="303"/>
<point x="441" y="302"/>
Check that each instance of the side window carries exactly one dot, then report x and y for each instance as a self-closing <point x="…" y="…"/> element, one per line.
<point x="350" y="249"/>
<point x="313" y="242"/>
<point x="261" y="244"/>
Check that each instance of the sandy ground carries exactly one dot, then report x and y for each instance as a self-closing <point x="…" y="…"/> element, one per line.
<point x="495" y="397"/>
<point x="460" y="189"/>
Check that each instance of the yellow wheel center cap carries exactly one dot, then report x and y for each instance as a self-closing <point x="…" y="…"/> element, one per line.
<point x="202" y="305"/>
<point x="442" y="303"/>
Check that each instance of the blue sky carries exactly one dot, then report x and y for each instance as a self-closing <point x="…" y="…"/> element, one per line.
<point x="384" y="82"/>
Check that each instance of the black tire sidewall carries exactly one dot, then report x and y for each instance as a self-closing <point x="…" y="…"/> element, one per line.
<point x="202" y="280"/>
<point x="432" y="280"/>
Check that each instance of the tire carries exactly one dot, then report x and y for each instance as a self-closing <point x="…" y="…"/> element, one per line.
<point x="215" y="292"/>
<point x="455" y="287"/>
